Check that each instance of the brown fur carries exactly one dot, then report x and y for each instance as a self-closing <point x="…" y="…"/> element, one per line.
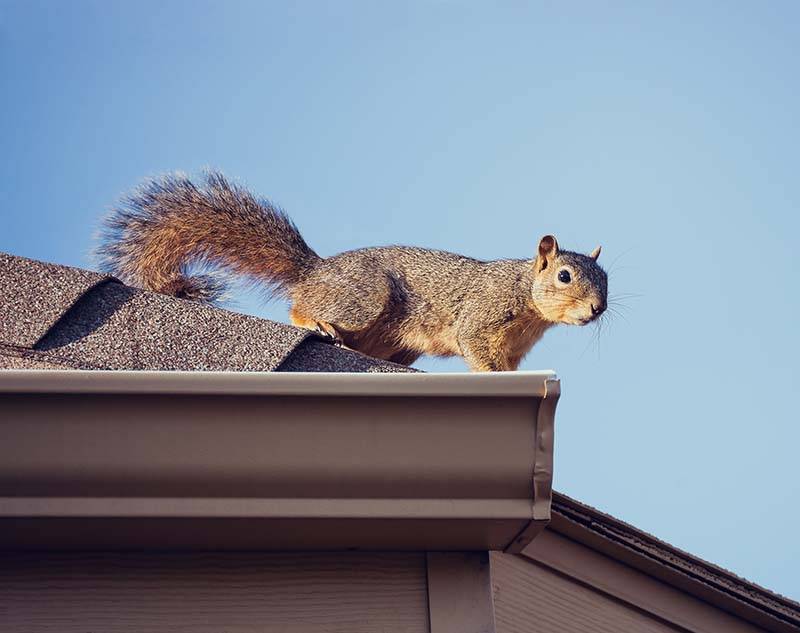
<point x="394" y="303"/>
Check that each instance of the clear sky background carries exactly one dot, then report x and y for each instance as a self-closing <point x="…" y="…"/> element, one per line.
<point x="667" y="132"/>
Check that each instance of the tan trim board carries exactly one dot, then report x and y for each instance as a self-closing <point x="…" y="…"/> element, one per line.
<point x="460" y="592"/>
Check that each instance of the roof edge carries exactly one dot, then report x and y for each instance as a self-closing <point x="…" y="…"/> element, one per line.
<point x="522" y="384"/>
<point x="654" y="557"/>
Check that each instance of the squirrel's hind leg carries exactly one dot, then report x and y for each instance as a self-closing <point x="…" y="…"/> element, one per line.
<point x="322" y="328"/>
<point x="326" y="330"/>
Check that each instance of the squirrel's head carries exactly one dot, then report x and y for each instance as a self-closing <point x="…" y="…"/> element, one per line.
<point x="568" y="287"/>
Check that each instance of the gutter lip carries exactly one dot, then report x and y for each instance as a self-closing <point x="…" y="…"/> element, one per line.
<point x="506" y="384"/>
<point x="308" y="508"/>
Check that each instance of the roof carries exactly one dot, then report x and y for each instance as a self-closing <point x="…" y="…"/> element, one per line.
<point x="640" y="550"/>
<point x="59" y="317"/>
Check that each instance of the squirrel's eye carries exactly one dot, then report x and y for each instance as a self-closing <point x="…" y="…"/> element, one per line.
<point x="564" y="276"/>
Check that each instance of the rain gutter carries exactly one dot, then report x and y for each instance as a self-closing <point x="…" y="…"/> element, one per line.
<point x="294" y="461"/>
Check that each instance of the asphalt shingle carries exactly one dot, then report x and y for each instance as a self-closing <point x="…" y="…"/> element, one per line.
<point x="67" y="317"/>
<point x="35" y="295"/>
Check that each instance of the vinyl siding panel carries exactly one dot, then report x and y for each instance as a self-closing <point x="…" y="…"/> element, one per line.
<point x="531" y="599"/>
<point x="630" y="587"/>
<point x="347" y="592"/>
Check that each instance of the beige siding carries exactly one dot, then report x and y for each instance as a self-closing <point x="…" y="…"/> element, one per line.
<point x="586" y="567"/>
<point x="531" y="599"/>
<point x="219" y="593"/>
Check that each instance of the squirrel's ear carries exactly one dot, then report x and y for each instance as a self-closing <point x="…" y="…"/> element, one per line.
<point x="548" y="249"/>
<point x="595" y="253"/>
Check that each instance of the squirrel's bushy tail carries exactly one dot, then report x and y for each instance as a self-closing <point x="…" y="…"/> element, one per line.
<point x="170" y="225"/>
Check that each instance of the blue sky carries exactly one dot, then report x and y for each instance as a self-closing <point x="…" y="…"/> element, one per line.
<point x="667" y="132"/>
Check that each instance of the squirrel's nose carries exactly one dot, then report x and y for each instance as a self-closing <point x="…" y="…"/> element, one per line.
<point x="597" y="309"/>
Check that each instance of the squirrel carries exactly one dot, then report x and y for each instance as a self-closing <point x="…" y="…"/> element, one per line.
<point x="395" y="302"/>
